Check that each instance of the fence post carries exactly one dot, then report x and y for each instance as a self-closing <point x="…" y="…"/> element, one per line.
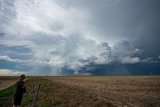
<point x="36" y="94"/>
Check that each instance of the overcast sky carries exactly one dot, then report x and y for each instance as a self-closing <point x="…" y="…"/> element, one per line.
<point x="70" y="37"/>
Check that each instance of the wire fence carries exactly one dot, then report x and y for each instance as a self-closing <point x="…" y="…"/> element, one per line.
<point x="8" y="101"/>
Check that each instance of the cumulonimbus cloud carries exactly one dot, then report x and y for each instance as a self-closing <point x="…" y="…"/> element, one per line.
<point x="55" y="38"/>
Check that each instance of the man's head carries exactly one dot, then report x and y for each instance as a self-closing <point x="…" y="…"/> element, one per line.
<point x="22" y="77"/>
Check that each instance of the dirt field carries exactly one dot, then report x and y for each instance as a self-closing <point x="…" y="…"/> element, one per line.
<point x="107" y="91"/>
<point x="130" y="91"/>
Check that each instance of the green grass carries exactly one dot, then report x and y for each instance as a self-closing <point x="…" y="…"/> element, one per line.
<point x="6" y="96"/>
<point x="7" y="92"/>
<point x="57" y="101"/>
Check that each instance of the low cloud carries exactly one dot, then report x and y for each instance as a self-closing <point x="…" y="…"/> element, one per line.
<point x="72" y="52"/>
<point x="85" y="74"/>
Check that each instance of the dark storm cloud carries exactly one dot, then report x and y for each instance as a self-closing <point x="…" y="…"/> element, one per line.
<point x="66" y="37"/>
<point x="137" y="21"/>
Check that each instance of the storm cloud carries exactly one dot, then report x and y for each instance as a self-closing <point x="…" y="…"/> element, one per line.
<point x="59" y="37"/>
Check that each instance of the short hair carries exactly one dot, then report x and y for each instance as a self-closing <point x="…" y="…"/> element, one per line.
<point x="21" y="76"/>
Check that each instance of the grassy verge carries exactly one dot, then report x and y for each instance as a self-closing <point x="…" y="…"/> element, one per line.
<point x="7" y="92"/>
<point x="6" y="96"/>
<point x="46" y="96"/>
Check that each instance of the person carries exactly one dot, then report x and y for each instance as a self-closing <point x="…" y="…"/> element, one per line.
<point x="19" y="91"/>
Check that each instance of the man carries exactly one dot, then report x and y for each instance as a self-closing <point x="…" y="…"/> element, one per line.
<point x="19" y="91"/>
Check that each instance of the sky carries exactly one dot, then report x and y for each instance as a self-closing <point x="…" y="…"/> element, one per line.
<point x="76" y="37"/>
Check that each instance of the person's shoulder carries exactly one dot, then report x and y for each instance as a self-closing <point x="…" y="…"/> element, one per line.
<point x="20" y="82"/>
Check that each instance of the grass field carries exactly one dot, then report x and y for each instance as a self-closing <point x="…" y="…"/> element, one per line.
<point x="106" y="91"/>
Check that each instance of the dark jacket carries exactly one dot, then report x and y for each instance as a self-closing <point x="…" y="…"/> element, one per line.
<point x="20" y="88"/>
<point x="18" y="94"/>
